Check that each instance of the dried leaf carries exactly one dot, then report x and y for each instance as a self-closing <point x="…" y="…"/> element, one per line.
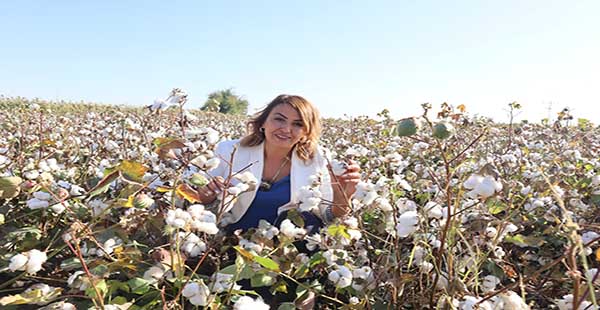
<point x="188" y="193"/>
<point x="165" y="145"/>
<point x="9" y="187"/>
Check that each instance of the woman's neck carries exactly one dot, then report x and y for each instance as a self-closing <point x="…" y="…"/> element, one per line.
<point x="274" y="153"/>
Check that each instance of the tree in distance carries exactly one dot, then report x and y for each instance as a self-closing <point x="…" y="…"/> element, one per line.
<point x="227" y="102"/>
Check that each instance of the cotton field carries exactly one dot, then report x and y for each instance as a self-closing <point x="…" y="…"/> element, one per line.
<point x="99" y="209"/>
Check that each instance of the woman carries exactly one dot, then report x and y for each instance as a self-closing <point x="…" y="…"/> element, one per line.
<point x="282" y="151"/>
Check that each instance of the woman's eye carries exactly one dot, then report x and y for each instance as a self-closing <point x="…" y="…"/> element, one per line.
<point x="299" y="125"/>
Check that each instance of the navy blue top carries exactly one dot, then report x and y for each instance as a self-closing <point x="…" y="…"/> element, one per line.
<point x="265" y="205"/>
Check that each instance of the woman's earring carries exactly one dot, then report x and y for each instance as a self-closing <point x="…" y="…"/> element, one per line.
<point x="262" y="130"/>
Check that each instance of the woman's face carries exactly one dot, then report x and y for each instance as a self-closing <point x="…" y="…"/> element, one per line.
<point x="283" y="127"/>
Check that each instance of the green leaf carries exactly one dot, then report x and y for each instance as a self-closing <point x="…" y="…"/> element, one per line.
<point x="70" y="264"/>
<point x="287" y="306"/>
<point x="104" y="184"/>
<point x="525" y="241"/>
<point x="100" y="285"/>
<point x="495" y="206"/>
<point x="132" y="170"/>
<point x="267" y="263"/>
<point x="261" y="279"/>
<point x="139" y="286"/>
<point x="338" y="230"/>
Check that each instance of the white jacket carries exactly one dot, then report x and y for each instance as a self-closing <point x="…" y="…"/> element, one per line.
<point x="254" y="156"/>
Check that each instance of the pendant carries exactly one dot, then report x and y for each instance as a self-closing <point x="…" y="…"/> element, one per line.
<point x="265" y="186"/>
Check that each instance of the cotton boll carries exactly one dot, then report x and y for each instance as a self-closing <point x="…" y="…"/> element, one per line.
<point x="342" y="277"/>
<point x="35" y="203"/>
<point x="18" y="262"/>
<point x="247" y="303"/>
<point x="408" y="223"/>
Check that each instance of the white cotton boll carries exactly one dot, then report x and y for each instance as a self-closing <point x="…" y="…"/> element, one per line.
<point x="177" y="218"/>
<point x="111" y="146"/>
<point x="205" y="227"/>
<point x="35" y="261"/>
<point x="566" y="303"/>
<point x="42" y="195"/>
<point x="199" y="161"/>
<point x="35" y="203"/>
<point x="489" y="283"/>
<point x="53" y="164"/>
<point x="58" y="208"/>
<point x="384" y="204"/>
<point x="526" y="190"/>
<point x="408" y="223"/>
<point x="589" y="236"/>
<point x="18" y="262"/>
<point x="426" y="267"/>
<point x="197" y="293"/>
<point x="212" y="163"/>
<point x="338" y="167"/>
<point x="247" y="303"/>
<point x="404" y="205"/>
<point x="470" y="303"/>
<point x="499" y="252"/>
<point x="154" y="274"/>
<point x="434" y="210"/>
<point x="76" y="190"/>
<point x="491" y="232"/>
<point x="234" y="190"/>
<point x="313" y="241"/>
<point x="247" y="177"/>
<point x="488" y="187"/>
<point x="511" y="300"/>
<point x="31" y="174"/>
<point x="287" y="228"/>
<point x="472" y="181"/>
<point x="342" y="277"/>
<point x="212" y="136"/>
<point x="596" y="180"/>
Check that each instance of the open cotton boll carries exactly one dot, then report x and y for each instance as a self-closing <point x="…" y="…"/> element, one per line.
<point x="287" y="228"/>
<point x="35" y="203"/>
<point x="342" y="277"/>
<point x="489" y="283"/>
<point x="18" y="262"/>
<point x="247" y="303"/>
<point x="197" y="293"/>
<point x="338" y="167"/>
<point x="408" y="223"/>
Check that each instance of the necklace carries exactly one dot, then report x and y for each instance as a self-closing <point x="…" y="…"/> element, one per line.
<point x="265" y="185"/>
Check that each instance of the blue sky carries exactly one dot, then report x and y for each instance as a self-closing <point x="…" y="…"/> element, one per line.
<point x="347" y="57"/>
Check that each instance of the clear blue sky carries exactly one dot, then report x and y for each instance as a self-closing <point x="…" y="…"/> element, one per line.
<point x="347" y="57"/>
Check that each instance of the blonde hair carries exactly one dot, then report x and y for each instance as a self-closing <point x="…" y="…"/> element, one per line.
<point x="307" y="146"/>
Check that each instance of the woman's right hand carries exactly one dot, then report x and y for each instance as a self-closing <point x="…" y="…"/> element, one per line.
<point x="208" y="193"/>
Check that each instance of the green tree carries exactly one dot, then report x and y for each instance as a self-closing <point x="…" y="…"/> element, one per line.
<point x="226" y="101"/>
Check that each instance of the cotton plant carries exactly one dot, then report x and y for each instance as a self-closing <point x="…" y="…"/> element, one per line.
<point x="191" y="244"/>
<point x="341" y="276"/>
<point x="30" y="261"/>
<point x="289" y="229"/>
<point x="482" y="186"/>
<point x="566" y="303"/>
<point x="408" y="223"/>
<point x="247" y="302"/>
<point x="197" y="293"/>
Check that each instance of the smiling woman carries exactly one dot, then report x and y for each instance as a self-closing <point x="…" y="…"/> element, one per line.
<point x="281" y="149"/>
